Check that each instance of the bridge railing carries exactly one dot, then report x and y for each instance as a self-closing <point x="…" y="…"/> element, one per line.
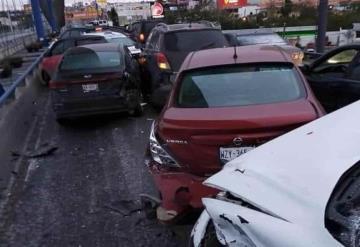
<point x="10" y="93"/>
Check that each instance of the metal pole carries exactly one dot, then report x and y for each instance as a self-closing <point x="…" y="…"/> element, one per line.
<point x="37" y="19"/>
<point x="322" y="25"/>
<point x="52" y="21"/>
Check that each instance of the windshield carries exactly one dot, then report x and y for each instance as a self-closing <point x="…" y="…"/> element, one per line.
<point x="122" y="41"/>
<point x="258" y="39"/>
<point x="240" y="86"/>
<point x="194" y="40"/>
<point x="87" y="59"/>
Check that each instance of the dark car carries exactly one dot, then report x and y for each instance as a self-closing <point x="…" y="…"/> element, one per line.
<point x="96" y="79"/>
<point x="264" y="37"/>
<point x="223" y="104"/>
<point x="335" y="77"/>
<point x="167" y="48"/>
<point x="54" y="55"/>
<point x="74" y="32"/>
<point x="140" y="30"/>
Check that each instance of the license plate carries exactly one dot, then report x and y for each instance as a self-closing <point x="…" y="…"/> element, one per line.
<point x="228" y="154"/>
<point x="90" y="87"/>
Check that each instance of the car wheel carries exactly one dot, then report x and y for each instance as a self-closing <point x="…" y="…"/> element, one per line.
<point x="45" y="78"/>
<point x="137" y="111"/>
<point x="62" y="121"/>
<point x="210" y="238"/>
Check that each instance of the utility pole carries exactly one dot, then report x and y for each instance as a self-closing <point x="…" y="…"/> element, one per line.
<point x="322" y="25"/>
<point x="37" y="19"/>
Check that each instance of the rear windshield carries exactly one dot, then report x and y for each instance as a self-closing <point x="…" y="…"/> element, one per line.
<point x="87" y="59"/>
<point x="122" y="41"/>
<point x="258" y="39"/>
<point x="240" y="86"/>
<point x="194" y="40"/>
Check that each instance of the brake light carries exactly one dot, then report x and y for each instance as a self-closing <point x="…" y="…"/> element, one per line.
<point x="98" y="29"/>
<point x="162" y="61"/>
<point x="142" y="37"/>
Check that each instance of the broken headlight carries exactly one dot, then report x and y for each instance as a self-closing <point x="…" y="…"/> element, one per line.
<point x="158" y="153"/>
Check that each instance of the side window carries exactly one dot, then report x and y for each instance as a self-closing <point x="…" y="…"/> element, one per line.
<point x="342" y="57"/>
<point x="57" y="49"/>
<point x="153" y="40"/>
<point x="68" y="44"/>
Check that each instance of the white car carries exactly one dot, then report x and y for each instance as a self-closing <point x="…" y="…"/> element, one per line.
<point x="299" y="190"/>
<point x="113" y="37"/>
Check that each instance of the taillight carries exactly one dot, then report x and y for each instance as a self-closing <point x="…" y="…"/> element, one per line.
<point x="56" y="85"/>
<point x="162" y="61"/>
<point x="142" y="37"/>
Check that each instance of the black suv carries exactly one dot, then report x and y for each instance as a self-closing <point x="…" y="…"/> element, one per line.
<point x="139" y="31"/>
<point x="167" y="48"/>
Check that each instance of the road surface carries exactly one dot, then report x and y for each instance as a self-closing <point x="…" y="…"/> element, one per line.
<point x="85" y="193"/>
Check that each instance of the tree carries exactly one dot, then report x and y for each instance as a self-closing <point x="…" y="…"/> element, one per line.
<point x="287" y="8"/>
<point x="113" y="16"/>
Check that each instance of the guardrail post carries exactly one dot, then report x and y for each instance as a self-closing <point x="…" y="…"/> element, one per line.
<point x="37" y="19"/>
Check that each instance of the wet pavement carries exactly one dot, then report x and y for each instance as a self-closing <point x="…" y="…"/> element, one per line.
<point x="85" y="190"/>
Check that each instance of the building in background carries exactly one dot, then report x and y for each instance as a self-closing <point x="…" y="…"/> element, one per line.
<point x="131" y="11"/>
<point x="231" y="4"/>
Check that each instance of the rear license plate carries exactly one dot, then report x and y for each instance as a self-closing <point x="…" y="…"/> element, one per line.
<point x="90" y="87"/>
<point x="228" y="154"/>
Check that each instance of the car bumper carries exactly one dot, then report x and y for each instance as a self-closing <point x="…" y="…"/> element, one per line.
<point x="88" y="107"/>
<point x="180" y="192"/>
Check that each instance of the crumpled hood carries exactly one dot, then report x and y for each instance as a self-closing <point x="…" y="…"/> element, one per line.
<point x="294" y="175"/>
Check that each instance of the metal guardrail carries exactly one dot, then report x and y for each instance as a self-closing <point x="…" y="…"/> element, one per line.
<point x="10" y="92"/>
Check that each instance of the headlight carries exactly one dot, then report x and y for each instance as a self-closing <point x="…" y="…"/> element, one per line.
<point x="158" y="153"/>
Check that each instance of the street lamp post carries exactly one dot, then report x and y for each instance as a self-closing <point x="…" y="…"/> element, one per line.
<point x="322" y="25"/>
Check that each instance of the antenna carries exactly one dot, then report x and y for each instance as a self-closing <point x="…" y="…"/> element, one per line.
<point x="235" y="54"/>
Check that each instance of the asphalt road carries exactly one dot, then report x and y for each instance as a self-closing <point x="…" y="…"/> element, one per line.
<point x="86" y="193"/>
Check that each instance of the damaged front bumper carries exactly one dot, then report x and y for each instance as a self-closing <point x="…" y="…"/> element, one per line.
<point x="180" y="192"/>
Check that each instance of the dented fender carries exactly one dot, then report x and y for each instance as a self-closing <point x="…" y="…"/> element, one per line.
<point x="240" y="226"/>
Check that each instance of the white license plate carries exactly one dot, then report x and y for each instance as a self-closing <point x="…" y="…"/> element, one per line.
<point x="90" y="87"/>
<point x="228" y="154"/>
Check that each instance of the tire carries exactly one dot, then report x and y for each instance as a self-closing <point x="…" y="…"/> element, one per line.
<point x="137" y="112"/>
<point x="45" y="78"/>
<point x="62" y="121"/>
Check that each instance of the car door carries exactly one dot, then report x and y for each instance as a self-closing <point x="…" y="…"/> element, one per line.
<point x="150" y="53"/>
<point x="350" y="91"/>
<point x="329" y="77"/>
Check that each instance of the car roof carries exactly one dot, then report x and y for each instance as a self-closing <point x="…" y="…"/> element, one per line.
<point x="106" y="34"/>
<point x="261" y="31"/>
<point x="101" y="47"/>
<point x="225" y="56"/>
<point x="185" y="27"/>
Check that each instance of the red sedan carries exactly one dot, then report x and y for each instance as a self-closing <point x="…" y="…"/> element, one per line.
<point x="225" y="102"/>
<point x="55" y="53"/>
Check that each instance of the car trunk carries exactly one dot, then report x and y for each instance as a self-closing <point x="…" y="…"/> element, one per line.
<point x="194" y="136"/>
<point x="77" y="91"/>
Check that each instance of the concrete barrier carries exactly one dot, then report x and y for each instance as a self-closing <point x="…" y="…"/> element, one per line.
<point x="13" y="43"/>
<point x="18" y="115"/>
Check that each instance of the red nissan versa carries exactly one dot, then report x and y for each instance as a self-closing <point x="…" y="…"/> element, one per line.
<point x="224" y="103"/>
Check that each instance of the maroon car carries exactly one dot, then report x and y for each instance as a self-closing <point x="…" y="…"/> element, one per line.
<point x="224" y="103"/>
